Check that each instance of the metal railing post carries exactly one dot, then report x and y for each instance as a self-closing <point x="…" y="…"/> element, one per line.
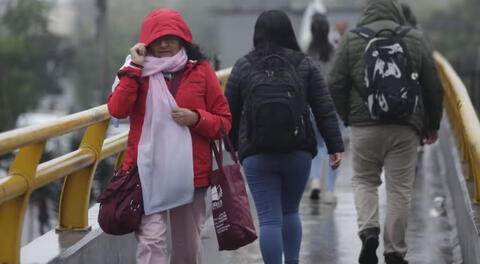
<point x="75" y="197"/>
<point x="22" y="176"/>
<point x="119" y="160"/>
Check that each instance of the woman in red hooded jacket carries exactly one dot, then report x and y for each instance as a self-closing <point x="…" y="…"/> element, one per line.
<point x="176" y="107"/>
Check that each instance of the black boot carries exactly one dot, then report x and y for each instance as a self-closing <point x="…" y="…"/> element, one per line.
<point x="368" y="254"/>
<point x="393" y="258"/>
<point x="315" y="194"/>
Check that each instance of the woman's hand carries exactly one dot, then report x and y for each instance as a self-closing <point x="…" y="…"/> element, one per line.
<point x="185" y="117"/>
<point x="432" y="137"/>
<point x="335" y="160"/>
<point x="137" y="53"/>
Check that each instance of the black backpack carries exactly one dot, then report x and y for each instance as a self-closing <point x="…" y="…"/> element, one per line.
<point x="391" y="85"/>
<point x="275" y="107"/>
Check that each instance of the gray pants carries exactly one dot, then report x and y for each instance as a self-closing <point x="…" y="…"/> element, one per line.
<point x="394" y="148"/>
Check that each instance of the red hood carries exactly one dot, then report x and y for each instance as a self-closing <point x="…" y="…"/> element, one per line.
<point x="161" y="22"/>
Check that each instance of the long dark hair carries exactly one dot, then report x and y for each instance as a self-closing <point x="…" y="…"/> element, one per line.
<point x="273" y="29"/>
<point x="320" y="47"/>
<point x="193" y="51"/>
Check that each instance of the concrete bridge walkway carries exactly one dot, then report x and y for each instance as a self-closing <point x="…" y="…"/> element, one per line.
<point x="330" y="232"/>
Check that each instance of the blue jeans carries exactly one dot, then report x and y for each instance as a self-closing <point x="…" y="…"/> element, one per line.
<point x="277" y="182"/>
<point x="317" y="165"/>
<point x="323" y="158"/>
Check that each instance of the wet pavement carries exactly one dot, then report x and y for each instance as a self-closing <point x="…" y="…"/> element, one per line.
<point x="330" y="232"/>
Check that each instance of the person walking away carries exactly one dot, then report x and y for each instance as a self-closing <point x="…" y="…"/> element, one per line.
<point x="340" y="30"/>
<point x="305" y="34"/>
<point x="385" y="86"/>
<point x="320" y="48"/>
<point x="321" y="51"/>
<point x="270" y="91"/>
<point x="176" y="107"/>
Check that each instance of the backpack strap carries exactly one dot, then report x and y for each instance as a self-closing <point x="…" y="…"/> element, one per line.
<point x="295" y="59"/>
<point x="402" y="31"/>
<point x="368" y="33"/>
<point x="364" y="32"/>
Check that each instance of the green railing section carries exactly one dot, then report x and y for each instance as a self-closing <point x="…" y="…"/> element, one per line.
<point x="463" y="119"/>
<point x="26" y="174"/>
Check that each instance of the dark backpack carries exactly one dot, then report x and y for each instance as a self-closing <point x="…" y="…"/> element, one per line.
<point x="275" y="107"/>
<point x="391" y="84"/>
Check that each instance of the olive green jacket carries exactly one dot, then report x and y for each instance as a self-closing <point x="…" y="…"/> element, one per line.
<point x="346" y="76"/>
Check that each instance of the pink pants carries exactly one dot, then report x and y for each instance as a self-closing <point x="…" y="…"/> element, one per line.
<point x="186" y="223"/>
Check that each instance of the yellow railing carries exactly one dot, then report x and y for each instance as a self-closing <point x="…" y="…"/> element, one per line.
<point x="223" y="75"/>
<point x="463" y="119"/>
<point x="78" y="167"/>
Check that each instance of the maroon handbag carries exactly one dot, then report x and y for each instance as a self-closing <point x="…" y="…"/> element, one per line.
<point x="121" y="203"/>
<point x="230" y="208"/>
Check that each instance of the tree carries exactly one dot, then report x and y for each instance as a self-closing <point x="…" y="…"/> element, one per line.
<point x="456" y="34"/>
<point x="31" y="59"/>
<point x="120" y="30"/>
<point x="460" y="21"/>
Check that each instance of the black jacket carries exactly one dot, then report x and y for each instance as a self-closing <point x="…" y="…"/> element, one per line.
<point x="317" y="95"/>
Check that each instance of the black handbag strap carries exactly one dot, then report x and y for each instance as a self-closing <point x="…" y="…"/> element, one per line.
<point x="218" y="152"/>
<point x="229" y="144"/>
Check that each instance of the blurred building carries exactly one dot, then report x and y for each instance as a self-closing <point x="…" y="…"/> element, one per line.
<point x="261" y="4"/>
<point x="62" y="17"/>
<point x="236" y="23"/>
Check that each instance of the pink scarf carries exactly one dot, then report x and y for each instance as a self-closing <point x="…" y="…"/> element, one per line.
<point x="165" y="157"/>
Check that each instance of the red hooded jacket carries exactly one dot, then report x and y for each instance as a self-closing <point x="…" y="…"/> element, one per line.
<point x="199" y="90"/>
